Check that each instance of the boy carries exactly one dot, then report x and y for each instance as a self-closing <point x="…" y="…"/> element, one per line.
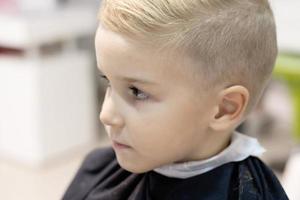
<point x="183" y="74"/>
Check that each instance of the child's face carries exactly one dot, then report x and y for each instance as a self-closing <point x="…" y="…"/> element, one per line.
<point x="161" y="120"/>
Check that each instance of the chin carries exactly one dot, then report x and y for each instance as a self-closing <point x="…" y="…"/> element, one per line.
<point x="133" y="167"/>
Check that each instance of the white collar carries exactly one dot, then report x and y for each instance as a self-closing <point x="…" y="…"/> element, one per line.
<point x="241" y="147"/>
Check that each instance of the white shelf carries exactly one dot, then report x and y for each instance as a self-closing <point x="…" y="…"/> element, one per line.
<point x="48" y="106"/>
<point x="287" y="18"/>
<point x="29" y="29"/>
<point x="48" y="102"/>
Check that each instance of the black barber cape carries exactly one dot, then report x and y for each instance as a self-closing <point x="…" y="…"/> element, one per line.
<point x="101" y="178"/>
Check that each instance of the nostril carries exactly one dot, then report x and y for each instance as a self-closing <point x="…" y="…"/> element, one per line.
<point x="109" y="115"/>
<point x="103" y="118"/>
<point x="106" y="110"/>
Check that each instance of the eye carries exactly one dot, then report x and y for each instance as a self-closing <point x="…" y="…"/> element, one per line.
<point x="134" y="91"/>
<point x="138" y="94"/>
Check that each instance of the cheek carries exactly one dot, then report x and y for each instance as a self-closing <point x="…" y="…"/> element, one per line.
<point x="162" y="125"/>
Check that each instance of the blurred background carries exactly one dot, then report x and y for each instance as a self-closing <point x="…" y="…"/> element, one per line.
<point x="50" y="97"/>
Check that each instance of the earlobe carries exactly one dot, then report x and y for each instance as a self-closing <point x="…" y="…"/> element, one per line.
<point x="231" y="106"/>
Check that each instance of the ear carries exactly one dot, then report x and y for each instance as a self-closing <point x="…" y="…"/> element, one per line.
<point x="231" y="106"/>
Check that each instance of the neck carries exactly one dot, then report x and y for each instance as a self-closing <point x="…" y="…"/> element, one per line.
<point x="215" y="143"/>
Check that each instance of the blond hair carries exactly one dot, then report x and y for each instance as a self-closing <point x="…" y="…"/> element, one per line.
<point x="234" y="41"/>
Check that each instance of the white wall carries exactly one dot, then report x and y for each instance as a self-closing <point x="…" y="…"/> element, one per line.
<point x="287" y="16"/>
<point x="47" y="106"/>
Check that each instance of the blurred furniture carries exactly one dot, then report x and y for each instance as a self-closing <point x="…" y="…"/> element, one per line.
<point x="288" y="70"/>
<point x="48" y="101"/>
<point x="291" y="176"/>
<point x="287" y="19"/>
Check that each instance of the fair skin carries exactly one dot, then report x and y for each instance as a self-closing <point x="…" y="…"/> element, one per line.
<point x="163" y="117"/>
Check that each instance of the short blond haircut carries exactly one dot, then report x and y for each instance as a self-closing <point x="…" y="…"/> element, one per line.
<point x="234" y="41"/>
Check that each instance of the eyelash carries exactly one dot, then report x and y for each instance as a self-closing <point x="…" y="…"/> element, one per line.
<point x="132" y="88"/>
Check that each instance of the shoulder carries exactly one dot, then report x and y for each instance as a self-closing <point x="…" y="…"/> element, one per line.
<point x="97" y="159"/>
<point x="255" y="178"/>
<point x="95" y="167"/>
<point x="257" y="167"/>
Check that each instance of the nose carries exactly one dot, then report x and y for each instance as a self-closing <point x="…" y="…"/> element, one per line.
<point x="109" y="114"/>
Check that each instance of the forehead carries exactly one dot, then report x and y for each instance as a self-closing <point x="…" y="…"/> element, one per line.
<point x="121" y="56"/>
<point x="168" y="71"/>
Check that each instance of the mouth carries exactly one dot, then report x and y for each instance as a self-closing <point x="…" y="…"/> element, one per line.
<point x="119" y="146"/>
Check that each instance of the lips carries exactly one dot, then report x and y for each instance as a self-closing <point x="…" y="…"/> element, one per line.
<point x="118" y="145"/>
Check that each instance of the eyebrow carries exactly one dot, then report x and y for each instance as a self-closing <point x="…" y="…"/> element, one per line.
<point x="130" y="79"/>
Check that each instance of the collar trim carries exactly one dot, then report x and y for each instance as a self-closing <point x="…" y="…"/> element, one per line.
<point x="240" y="148"/>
